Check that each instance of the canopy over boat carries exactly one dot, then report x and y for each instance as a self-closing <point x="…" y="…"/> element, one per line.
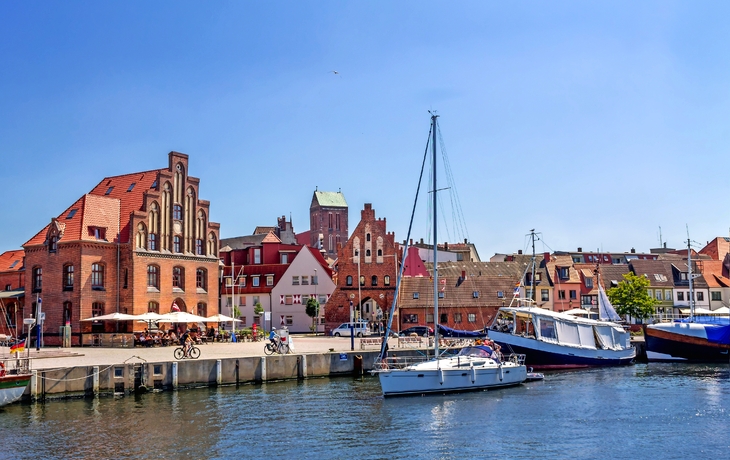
<point x="445" y="331"/>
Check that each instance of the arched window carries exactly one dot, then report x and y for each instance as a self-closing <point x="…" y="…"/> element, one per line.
<point x="201" y="279"/>
<point x="212" y="244"/>
<point x="177" y="211"/>
<point x="153" y="276"/>
<point x="367" y="237"/>
<point x="367" y="253"/>
<point x="153" y="307"/>
<point x="380" y="253"/>
<point x="374" y="280"/>
<point x="68" y="277"/>
<point x="178" y="278"/>
<point x="97" y="276"/>
<point x="141" y="239"/>
<point x="52" y="243"/>
<point x="152" y="242"/>
<point x="386" y="280"/>
<point x="362" y="280"/>
<point x="199" y="246"/>
<point x="349" y="280"/>
<point x="37" y="279"/>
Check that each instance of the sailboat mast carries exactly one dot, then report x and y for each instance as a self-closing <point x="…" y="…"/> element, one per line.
<point x="532" y="279"/>
<point x="689" y="277"/>
<point x="435" y="247"/>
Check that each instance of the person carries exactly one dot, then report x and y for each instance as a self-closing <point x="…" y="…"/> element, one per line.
<point x="273" y="337"/>
<point x="186" y="341"/>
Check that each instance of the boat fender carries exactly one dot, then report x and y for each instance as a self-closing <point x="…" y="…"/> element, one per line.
<point x="2" y="369"/>
<point x="501" y="373"/>
<point x="441" y="376"/>
<point x="473" y="374"/>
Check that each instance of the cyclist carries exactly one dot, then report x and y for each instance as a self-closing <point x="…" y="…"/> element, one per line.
<point x="274" y="338"/>
<point x="186" y="341"/>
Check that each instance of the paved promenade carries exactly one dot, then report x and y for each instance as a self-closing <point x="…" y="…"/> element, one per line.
<point x="52" y="357"/>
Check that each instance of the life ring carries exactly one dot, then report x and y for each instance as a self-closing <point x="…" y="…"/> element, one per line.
<point x="2" y="369"/>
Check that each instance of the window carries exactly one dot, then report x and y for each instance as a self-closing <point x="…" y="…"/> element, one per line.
<point x="441" y="294"/>
<point x="270" y="280"/>
<point x="68" y="277"/>
<point x="538" y="276"/>
<point x="257" y="256"/>
<point x="386" y="280"/>
<point x="410" y="318"/>
<point x="8" y="287"/>
<point x="573" y="294"/>
<point x="52" y="243"/>
<point x="229" y="281"/>
<point x="255" y="281"/>
<point x="153" y="276"/>
<point x="457" y="318"/>
<point x="716" y="295"/>
<point x="367" y="237"/>
<point x="680" y="295"/>
<point x="315" y="280"/>
<point x="203" y="310"/>
<point x="544" y="295"/>
<point x="367" y="253"/>
<point x="700" y="296"/>
<point x="131" y="186"/>
<point x="380" y="253"/>
<point x="429" y="317"/>
<point x="153" y="307"/>
<point x="109" y="190"/>
<point x="242" y="281"/>
<point x="284" y="259"/>
<point x="374" y="280"/>
<point x="415" y="295"/>
<point x="98" y="233"/>
<point x="563" y="273"/>
<point x="152" y="242"/>
<point x="589" y="283"/>
<point x="500" y="294"/>
<point x="199" y="246"/>
<point x="444" y="318"/>
<point x="305" y="280"/>
<point x="475" y="294"/>
<point x="362" y="280"/>
<point x="348" y="280"/>
<point x="97" y="309"/>
<point x="658" y="294"/>
<point x="176" y="244"/>
<point x="154" y="184"/>
<point x="289" y="320"/>
<point x="177" y="212"/>
<point x="242" y="301"/>
<point x="288" y="300"/>
<point x="667" y="294"/>
<point x="97" y="277"/>
<point x="125" y="279"/>
<point x="201" y="279"/>
<point x="650" y="292"/>
<point x="295" y="281"/>
<point x="561" y="295"/>
<point x="256" y="300"/>
<point x="72" y="213"/>
<point x="471" y="317"/>
<point x="178" y="278"/>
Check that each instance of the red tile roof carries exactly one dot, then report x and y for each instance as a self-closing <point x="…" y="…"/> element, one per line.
<point x="11" y="261"/>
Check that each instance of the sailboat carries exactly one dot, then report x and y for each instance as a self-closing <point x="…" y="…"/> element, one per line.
<point x="473" y="368"/>
<point x="14" y="375"/>
<point x="553" y="340"/>
<point x="694" y="339"/>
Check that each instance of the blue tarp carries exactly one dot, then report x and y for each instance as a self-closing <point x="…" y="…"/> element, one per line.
<point x="459" y="334"/>
<point x="717" y="329"/>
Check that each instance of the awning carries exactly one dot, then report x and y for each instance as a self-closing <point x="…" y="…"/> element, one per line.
<point x="11" y="294"/>
<point x="698" y="311"/>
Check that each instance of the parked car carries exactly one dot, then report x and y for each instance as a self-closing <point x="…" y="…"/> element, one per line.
<point x="423" y="331"/>
<point x="359" y="329"/>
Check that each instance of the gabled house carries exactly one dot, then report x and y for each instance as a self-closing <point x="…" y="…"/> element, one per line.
<point x="660" y="276"/>
<point x="12" y="293"/>
<point x="717" y="277"/>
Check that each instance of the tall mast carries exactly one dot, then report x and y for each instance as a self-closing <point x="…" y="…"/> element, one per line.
<point x="532" y="279"/>
<point x="435" y="247"/>
<point x="689" y="277"/>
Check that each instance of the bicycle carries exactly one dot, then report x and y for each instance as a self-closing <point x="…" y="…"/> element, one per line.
<point x="193" y="353"/>
<point x="280" y="348"/>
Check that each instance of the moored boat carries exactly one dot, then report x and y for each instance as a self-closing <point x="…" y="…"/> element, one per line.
<point x="14" y="377"/>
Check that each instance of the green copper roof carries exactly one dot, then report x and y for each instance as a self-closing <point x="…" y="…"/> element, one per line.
<point x="330" y="199"/>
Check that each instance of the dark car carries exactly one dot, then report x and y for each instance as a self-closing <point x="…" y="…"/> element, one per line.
<point x="423" y="331"/>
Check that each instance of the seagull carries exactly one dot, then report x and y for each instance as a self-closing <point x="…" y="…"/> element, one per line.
<point x="335" y="72"/>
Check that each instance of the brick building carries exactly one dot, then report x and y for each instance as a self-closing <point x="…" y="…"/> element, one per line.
<point x="12" y="295"/>
<point x="328" y="228"/>
<point x="134" y="243"/>
<point x="370" y="255"/>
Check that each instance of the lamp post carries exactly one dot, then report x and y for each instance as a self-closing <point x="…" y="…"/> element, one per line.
<point x="315" y="281"/>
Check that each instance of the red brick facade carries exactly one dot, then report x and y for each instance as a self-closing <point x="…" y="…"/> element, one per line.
<point x="94" y="258"/>
<point x="12" y="277"/>
<point x="328" y="226"/>
<point x="375" y="249"/>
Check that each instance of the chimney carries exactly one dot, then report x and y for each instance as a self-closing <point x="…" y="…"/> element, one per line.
<point x="633" y="251"/>
<point x="665" y="245"/>
<point x="546" y="257"/>
<point x="446" y="246"/>
<point x="463" y="275"/>
<point x="465" y="241"/>
<point x="519" y="251"/>
<point x="580" y="249"/>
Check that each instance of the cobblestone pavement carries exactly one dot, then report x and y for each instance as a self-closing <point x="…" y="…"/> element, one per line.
<point x="51" y="358"/>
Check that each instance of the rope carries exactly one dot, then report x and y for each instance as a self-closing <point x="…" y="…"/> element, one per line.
<point x="90" y="375"/>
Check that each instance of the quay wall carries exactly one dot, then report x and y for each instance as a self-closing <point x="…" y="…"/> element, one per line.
<point x="130" y="377"/>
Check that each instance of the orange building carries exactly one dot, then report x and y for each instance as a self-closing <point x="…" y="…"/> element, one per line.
<point x="135" y="243"/>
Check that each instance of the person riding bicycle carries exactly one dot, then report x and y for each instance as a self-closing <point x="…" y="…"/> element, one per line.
<point x="187" y="342"/>
<point x="274" y="337"/>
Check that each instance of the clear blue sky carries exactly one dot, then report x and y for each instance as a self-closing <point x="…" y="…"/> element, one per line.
<point x="593" y="122"/>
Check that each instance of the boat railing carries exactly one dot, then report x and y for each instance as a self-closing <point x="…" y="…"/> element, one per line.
<point x="15" y="366"/>
<point x="398" y="362"/>
<point x="516" y="358"/>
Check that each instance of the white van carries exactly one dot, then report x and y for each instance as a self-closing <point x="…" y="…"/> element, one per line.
<point x="360" y="330"/>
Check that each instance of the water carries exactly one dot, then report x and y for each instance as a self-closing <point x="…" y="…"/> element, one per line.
<point x="658" y="410"/>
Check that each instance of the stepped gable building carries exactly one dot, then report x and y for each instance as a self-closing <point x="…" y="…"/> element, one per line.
<point x="328" y="228"/>
<point x="370" y="259"/>
<point x="135" y="243"/>
<point x="12" y="295"/>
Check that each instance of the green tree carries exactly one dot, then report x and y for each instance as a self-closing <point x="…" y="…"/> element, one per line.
<point x="630" y="297"/>
<point x="258" y="309"/>
<point x="312" y="310"/>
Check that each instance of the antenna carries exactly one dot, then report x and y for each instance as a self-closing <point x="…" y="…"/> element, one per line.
<point x="661" y="245"/>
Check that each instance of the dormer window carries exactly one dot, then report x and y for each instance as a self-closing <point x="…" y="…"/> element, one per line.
<point x="131" y="186"/>
<point x="98" y="233"/>
<point x="71" y="213"/>
<point x="415" y="295"/>
<point x="52" y="243"/>
<point x="109" y="190"/>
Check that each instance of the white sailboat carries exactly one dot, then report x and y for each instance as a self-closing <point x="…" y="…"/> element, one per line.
<point x="474" y="368"/>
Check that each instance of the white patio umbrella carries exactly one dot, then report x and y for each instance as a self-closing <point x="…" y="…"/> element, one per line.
<point x="221" y="319"/>
<point x="181" y="317"/>
<point x="149" y="316"/>
<point x="725" y="311"/>
<point x="112" y="317"/>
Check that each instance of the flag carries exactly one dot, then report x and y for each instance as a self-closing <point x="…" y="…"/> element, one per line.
<point x="174" y="306"/>
<point x="443" y="280"/>
<point x="517" y="290"/>
<point x="18" y="347"/>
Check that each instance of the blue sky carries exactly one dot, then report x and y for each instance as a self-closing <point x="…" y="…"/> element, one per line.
<point x="593" y="122"/>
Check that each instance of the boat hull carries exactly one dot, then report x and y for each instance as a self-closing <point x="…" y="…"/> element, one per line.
<point x="12" y="388"/>
<point x="684" y="341"/>
<point x="544" y="355"/>
<point x="418" y="381"/>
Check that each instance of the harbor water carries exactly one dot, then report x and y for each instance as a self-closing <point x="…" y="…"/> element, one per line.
<point x="646" y="410"/>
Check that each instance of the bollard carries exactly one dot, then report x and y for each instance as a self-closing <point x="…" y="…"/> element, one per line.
<point x="357" y="366"/>
<point x="303" y="367"/>
<point x="263" y="369"/>
<point x="174" y="376"/>
<point x="218" y="372"/>
<point x="95" y="380"/>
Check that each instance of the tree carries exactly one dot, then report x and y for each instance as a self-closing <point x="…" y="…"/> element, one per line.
<point x="258" y="309"/>
<point x="630" y="297"/>
<point x="312" y="310"/>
